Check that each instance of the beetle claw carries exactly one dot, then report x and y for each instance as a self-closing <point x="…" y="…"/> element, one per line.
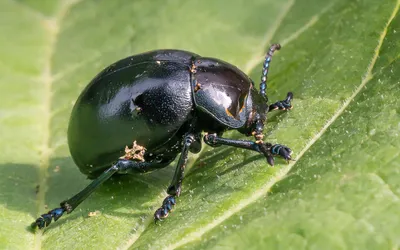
<point x="45" y="219"/>
<point x="282" y="151"/>
<point x="164" y="210"/>
<point x="270" y="160"/>
<point x="270" y="151"/>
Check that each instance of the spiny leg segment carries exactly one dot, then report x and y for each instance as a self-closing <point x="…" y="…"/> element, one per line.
<point x="121" y="166"/>
<point x="174" y="189"/>
<point x="267" y="149"/>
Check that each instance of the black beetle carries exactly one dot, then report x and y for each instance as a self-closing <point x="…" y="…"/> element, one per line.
<point x="161" y="102"/>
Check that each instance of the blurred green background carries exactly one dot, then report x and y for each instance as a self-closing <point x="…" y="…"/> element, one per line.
<point x="341" y="60"/>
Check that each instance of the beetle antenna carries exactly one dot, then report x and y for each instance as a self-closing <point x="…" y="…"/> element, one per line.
<point x="268" y="57"/>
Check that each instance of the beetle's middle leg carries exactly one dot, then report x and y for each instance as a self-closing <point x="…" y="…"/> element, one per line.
<point x="269" y="150"/>
<point x="174" y="189"/>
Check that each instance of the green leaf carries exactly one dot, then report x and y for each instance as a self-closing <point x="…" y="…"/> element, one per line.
<point x="341" y="60"/>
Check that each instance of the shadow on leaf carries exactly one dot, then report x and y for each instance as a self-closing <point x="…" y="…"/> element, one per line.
<point x="131" y="197"/>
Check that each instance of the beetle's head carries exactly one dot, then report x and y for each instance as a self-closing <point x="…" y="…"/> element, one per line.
<point x="257" y="109"/>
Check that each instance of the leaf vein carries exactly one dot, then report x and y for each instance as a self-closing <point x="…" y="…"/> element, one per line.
<point x="149" y="220"/>
<point x="29" y="9"/>
<point x="255" y="59"/>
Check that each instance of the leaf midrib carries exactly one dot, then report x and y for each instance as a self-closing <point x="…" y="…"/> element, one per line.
<point x="52" y="25"/>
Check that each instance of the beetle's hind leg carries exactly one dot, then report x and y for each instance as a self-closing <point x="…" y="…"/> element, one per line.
<point x="121" y="166"/>
<point x="174" y="189"/>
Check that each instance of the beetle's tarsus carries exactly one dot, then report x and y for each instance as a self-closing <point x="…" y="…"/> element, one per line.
<point x="284" y="104"/>
<point x="167" y="206"/>
<point x="270" y="151"/>
<point x="67" y="206"/>
<point x="282" y="151"/>
<point x="45" y="219"/>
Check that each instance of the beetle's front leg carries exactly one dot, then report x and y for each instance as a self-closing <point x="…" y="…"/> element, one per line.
<point x="282" y="105"/>
<point x="267" y="149"/>
<point x="174" y="189"/>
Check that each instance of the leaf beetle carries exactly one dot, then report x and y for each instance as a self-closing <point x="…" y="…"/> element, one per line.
<point x="161" y="102"/>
